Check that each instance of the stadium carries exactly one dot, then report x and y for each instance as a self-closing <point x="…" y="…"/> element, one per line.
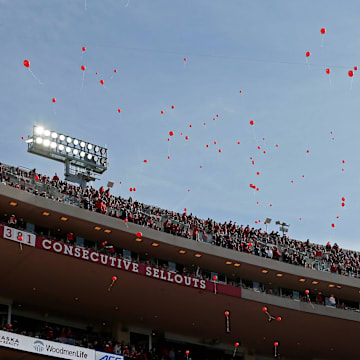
<point x="109" y="278"/>
<point x="179" y="180"/>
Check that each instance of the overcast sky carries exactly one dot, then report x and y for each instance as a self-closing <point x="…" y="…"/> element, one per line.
<point x="257" y="47"/>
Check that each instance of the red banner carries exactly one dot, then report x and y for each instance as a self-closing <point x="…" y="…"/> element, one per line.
<point x="127" y="265"/>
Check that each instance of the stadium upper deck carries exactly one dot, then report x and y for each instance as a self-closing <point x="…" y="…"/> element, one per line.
<point x="228" y="235"/>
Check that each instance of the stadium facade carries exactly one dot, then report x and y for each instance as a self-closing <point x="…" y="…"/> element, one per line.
<point x="158" y="298"/>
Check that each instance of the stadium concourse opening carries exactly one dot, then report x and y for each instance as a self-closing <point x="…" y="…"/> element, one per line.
<point x="93" y="282"/>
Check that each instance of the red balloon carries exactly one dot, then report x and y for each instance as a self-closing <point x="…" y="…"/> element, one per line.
<point x="250" y="244"/>
<point x="307" y="53"/>
<point x="22" y="138"/>
<point x="36" y="178"/>
<point x="83" y="67"/>
<point x="343" y="161"/>
<point x="172" y="106"/>
<point x="207" y="146"/>
<point x="238" y="142"/>
<point x="343" y="199"/>
<point x="190" y="125"/>
<point x="83" y="48"/>
<point x="185" y="209"/>
<point x="134" y="189"/>
<point x="139" y="234"/>
<point x="251" y="122"/>
<point x="131" y="189"/>
<point x="276" y="344"/>
<point x="161" y="112"/>
<point x="102" y="82"/>
<point x="227" y="313"/>
<point x="307" y="292"/>
<point x="323" y="30"/>
<point x="259" y="147"/>
<point x="277" y="145"/>
<point x="185" y="59"/>
<point x="214" y="277"/>
<point x="240" y="91"/>
<point x="168" y="157"/>
<point x="355" y="68"/>
<point x="145" y="161"/>
<point x="171" y="133"/>
<point x="125" y="220"/>
<point x="343" y="204"/>
<point x="264" y="309"/>
<point x="258" y="173"/>
<point x="237" y="344"/>
<point x="350" y="73"/>
<point x="327" y="71"/>
<point x="307" y="151"/>
<point x="27" y="63"/>
<point x="115" y="71"/>
<point x="333" y="225"/>
<point x="278" y="318"/>
<point x="219" y="150"/>
<point x="186" y="138"/>
<point x="119" y="111"/>
<point x="187" y="352"/>
<point x="217" y="115"/>
<point x="96" y="73"/>
<point x="53" y="100"/>
<point x="114" y="278"/>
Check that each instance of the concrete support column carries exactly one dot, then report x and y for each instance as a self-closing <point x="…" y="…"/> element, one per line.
<point x="9" y="314"/>
<point x="150" y="341"/>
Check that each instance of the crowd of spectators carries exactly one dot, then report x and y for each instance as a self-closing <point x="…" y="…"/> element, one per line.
<point x="228" y="234"/>
<point x="100" y="342"/>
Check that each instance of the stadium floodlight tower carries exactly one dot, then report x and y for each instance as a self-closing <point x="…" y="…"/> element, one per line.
<point x="284" y="227"/>
<point x="82" y="159"/>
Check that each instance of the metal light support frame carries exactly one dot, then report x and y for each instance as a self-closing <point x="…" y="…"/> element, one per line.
<point x="82" y="159"/>
<point x="284" y="227"/>
<point x="266" y="222"/>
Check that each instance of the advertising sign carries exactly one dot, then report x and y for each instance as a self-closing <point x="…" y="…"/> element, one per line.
<point x="19" y="236"/>
<point x="44" y="347"/>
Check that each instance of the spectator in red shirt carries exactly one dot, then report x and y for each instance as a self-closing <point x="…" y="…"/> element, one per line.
<point x="70" y="237"/>
<point x="12" y="220"/>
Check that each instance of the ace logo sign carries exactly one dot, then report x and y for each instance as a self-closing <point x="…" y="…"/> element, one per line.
<point x="107" y="356"/>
